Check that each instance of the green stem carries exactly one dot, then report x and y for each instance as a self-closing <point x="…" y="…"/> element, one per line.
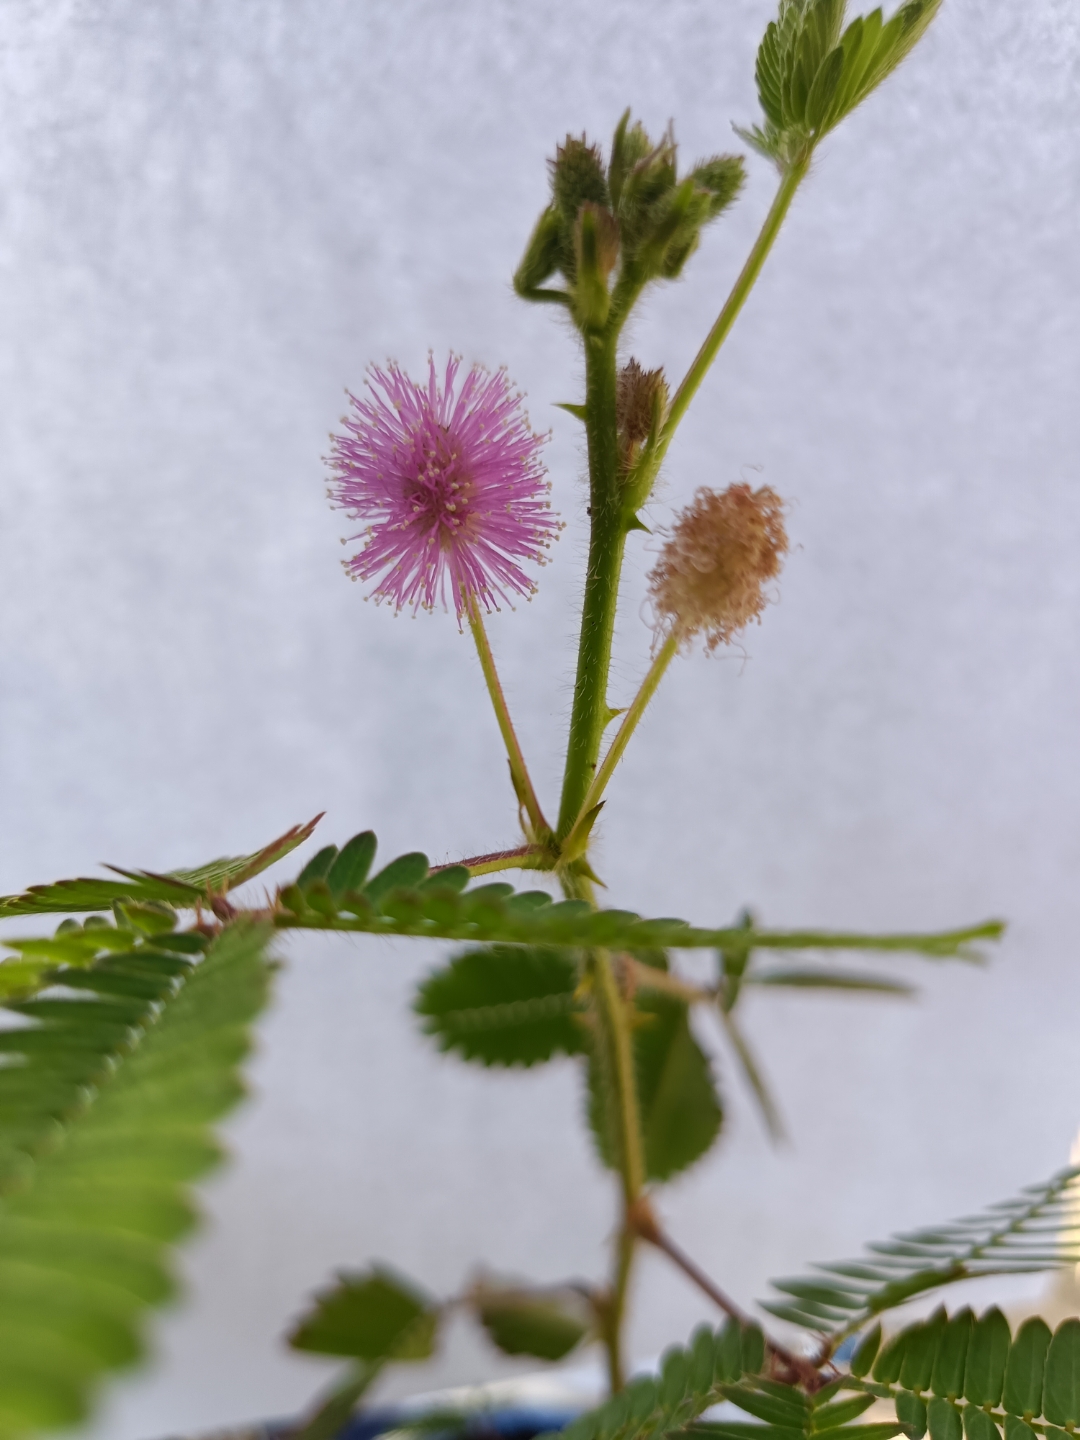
<point x="664" y="657"/>
<point x="616" y="1309"/>
<point x="519" y="773"/>
<point x="791" y="181"/>
<point x="615" y="1056"/>
<point x="590" y="712"/>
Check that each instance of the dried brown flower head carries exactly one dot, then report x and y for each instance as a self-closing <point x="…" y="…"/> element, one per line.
<point x="723" y="551"/>
<point x="636" y="396"/>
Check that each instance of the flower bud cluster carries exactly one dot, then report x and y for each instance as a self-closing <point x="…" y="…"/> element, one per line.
<point x="712" y="573"/>
<point x="609" y="230"/>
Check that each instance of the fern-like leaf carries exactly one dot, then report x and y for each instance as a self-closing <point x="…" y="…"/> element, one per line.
<point x="111" y="1082"/>
<point x="691" y="1379"/>
<point x="183" y="889"/>
<point x="1038" y="1230"/>
<point x="407" y="898"/>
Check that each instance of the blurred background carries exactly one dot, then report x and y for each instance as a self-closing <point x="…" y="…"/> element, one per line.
<point x="212" y="217"/>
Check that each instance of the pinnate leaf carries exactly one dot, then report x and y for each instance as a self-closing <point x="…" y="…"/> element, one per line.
<point x="103" y="1123"/>
<point x="406" y="898"/>
<point x="1037" y="1230"/>
<point x="183" y="889"/>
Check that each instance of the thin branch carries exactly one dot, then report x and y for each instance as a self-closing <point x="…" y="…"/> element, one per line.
<point x="525" y="857"/>
<point x="629" y="724"/>
<point x="798" y="1368"/>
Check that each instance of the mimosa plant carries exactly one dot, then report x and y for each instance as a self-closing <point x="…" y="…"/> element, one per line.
<point x="132" y="1024"/>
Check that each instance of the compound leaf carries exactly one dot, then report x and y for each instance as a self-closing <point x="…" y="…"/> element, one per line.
<point x="183" y="889"/>
<point x="1038" y="1230"/>
<point x="406" y="898"/>
<point x="122" y="1067"/>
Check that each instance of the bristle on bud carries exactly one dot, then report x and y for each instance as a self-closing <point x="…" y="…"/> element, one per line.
<point x="639" y="395"/>
<point x="723" y="551"/>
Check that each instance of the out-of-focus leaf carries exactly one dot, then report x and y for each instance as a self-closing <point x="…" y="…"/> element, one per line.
<point x="505" y="1005"/>
<point x="373" y="1316"/>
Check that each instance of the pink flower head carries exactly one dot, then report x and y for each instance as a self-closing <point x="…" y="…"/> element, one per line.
<point x="451" y="485"/>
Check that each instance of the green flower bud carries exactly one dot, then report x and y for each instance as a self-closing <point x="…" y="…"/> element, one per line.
<point x="577" y="178"/>
<point x="541" y="258"/>
<point x="629" y="147"/>
<point x="596" y="249"/>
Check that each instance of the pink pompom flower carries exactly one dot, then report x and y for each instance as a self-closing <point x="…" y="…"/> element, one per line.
<point x="450" y="483"/>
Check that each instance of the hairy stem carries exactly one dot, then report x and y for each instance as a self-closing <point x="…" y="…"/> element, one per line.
<point x="613" y="1038"/>
<point x="519" y="774"/>
<point x="647" y="690"/>
<point x="523" y="857"/>
<point x="615" y="1310"/>
<point x="590" y="713"/>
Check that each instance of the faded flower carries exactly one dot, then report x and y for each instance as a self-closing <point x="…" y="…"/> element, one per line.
<point x="722" y="552"/>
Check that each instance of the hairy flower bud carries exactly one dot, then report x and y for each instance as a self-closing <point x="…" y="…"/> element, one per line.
<point x="577" y="176"/>
<point x="712" y="572"/>
<point x="639" y="396"/>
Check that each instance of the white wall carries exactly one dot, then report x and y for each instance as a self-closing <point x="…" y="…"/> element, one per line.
<point x="211" y="217"/>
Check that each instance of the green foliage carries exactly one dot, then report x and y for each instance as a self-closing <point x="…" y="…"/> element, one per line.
<point x="374" y="1316"/>
<point x="183" y="889"/>
<point x="810" y="77"/>
<point x="1035" y="1231"/>
<point x="546" y="1323"/>
<point x="76" y="946"/>
<point x="960" y="1376"/>
<point x="113" y="1077"/>
<point x="680" y="1111"/>
<point x="691" y="1379"/>
<point x="505" y="1005"/>
<point x="407" y="898"/>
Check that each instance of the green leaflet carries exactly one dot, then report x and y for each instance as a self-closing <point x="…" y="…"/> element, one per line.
<point x="102" y="1126"/>
<point x="521" y="1321"/>
<point x="809" y="76"/>
<point x="1026" y="1365"/>
<point x="1035" y="1231"/>
<point x="181" y="888"/>
<point x="505" y="1005"/>
<point x="374" y="1316"/>
<point x="680" y="1112"/>
<point x="979" y="1362"/>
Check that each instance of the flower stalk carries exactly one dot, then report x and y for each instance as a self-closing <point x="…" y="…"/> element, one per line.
<point x="632" y="715"/>
<point x="537" y="827"/>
